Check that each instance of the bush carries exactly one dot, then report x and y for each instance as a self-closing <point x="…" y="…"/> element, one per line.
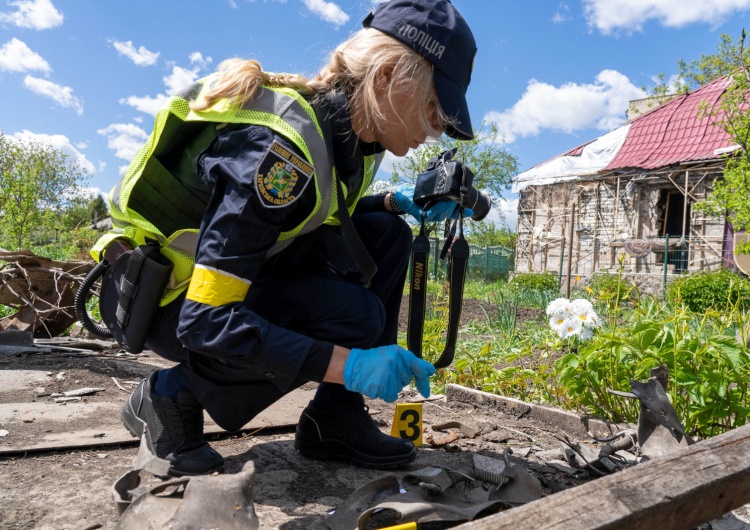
<point x="607" y="286"/>
<point x="538" y="281"/>
<point x="716" y="289"/>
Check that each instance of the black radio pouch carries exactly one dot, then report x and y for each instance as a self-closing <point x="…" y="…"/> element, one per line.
<point x="131" y="291"/>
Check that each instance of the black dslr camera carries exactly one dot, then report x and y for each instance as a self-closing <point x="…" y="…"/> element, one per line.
<point x="446" y="178"/>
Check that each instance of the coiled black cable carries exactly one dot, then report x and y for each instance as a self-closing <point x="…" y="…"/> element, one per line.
<point x="79" y="301"/>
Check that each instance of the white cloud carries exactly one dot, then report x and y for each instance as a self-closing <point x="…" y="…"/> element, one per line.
<point x="93" y="191"/>
<point x="328" y="11"/>
<point x="147" y="104"/>
<point x="32" y="14"/>
<point x="59" y="142"/>
<point x="630" y="15"/>
<point x="504" y="212"/>
<point x="125" y="139"/>
<point x="179" y="79"/>
<point x="140" y="57"/>
<point x="62" y="95"/>
<point x="197" y="59"/>
<point x="15" y="56"/>
<point x="569" y="107"/>
<point x="562" y="14"/>
<point x="176" y="81"/>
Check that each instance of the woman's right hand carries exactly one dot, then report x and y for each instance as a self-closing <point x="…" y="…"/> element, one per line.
<point x="383" y="371"/>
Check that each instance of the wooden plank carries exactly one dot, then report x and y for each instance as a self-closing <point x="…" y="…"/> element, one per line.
<point x="741" y="260"/>
<point x="578" y="221"/>
<point x="594" y="249"/>
<point x="614" y="224"/>
<point x="533" y="226"/>
<point x="547" y="220"/>
<point x="563" y="223"/>
<point x="680" y="491"/>
<point x="86" y="425"/>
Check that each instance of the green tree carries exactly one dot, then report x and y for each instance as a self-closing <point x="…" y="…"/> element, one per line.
<point x="492" y="165"/>
<point x="726" y="61"/>
<point x="489" y="235"/>
<point x="486" y="155"/>
<point x="730" y="57"/>
<point x="83" y="211"/>
<point x="37" y="182"/>
<point x="730" y="192"/>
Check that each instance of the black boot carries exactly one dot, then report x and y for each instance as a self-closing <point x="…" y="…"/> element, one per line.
<point x="348" y="432"/>
<point x="175" y="429"/>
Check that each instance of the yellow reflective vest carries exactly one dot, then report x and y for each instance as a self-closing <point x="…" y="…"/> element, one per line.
<point x="161" y="197"/>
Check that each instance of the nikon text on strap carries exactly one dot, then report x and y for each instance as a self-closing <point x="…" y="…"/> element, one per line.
<point x="459" y="250"/>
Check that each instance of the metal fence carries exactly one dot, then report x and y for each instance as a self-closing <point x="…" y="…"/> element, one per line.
<point x="652" y="263"/>
<point x="488" y="263"/>
<point x="657" y="258"/>
<point x="671" y="254"/>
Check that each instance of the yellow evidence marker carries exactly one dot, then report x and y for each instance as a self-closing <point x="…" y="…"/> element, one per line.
<point x="407" y="422"/>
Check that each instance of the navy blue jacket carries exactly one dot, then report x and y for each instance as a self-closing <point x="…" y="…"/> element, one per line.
<point x="236" y="235"/>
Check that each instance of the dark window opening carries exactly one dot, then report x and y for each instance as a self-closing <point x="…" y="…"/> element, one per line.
<point x="672" y="205"/>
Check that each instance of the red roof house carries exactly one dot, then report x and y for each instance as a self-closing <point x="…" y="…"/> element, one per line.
<point x="627" y="196"/>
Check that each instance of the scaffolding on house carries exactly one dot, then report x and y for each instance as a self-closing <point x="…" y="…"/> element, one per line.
<point x="579" y="228"/>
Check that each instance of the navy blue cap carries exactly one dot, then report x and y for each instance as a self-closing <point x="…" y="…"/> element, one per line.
<point x="435" y="30"/>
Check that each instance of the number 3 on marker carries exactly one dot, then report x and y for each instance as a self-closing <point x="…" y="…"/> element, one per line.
<point x="407" y="422"/>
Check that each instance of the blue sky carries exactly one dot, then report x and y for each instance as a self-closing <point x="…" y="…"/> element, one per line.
<point x="88" y="76"/>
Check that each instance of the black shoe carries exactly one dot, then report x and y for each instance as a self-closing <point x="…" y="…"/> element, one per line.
<point x="348" y="432"/>
<point x="175" y="429"/>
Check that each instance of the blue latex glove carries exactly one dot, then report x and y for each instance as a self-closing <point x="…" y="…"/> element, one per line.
<point x="382" y="372"/>
<point x="440" y="211"/>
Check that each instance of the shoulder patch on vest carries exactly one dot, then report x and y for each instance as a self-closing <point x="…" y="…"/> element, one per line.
<point x="282" y="176"/>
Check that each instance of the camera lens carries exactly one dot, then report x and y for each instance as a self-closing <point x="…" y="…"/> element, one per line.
<point x="479" y="203"/>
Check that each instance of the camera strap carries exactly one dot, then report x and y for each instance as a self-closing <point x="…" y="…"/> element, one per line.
<point x="459" y="250"/>
<point x="359" y="252"/>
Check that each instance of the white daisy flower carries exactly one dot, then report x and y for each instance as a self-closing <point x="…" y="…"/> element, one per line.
<point x="589" y="319"/>
<point x="570" y="328"/>
<point x="556" y="322"/>
<point x="558" y="306"/>
<point x="580" y="306"/>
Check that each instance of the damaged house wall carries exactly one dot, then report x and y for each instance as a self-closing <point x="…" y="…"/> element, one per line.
<point x="620" y="199"/>
<point x="608" y="212"/>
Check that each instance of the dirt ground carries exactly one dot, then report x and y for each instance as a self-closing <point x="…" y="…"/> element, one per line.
<point x="70" y="489"/>
<point x="59" y="461"/>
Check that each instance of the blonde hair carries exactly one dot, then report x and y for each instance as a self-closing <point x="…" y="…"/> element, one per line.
<point x="353" y="68"/>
